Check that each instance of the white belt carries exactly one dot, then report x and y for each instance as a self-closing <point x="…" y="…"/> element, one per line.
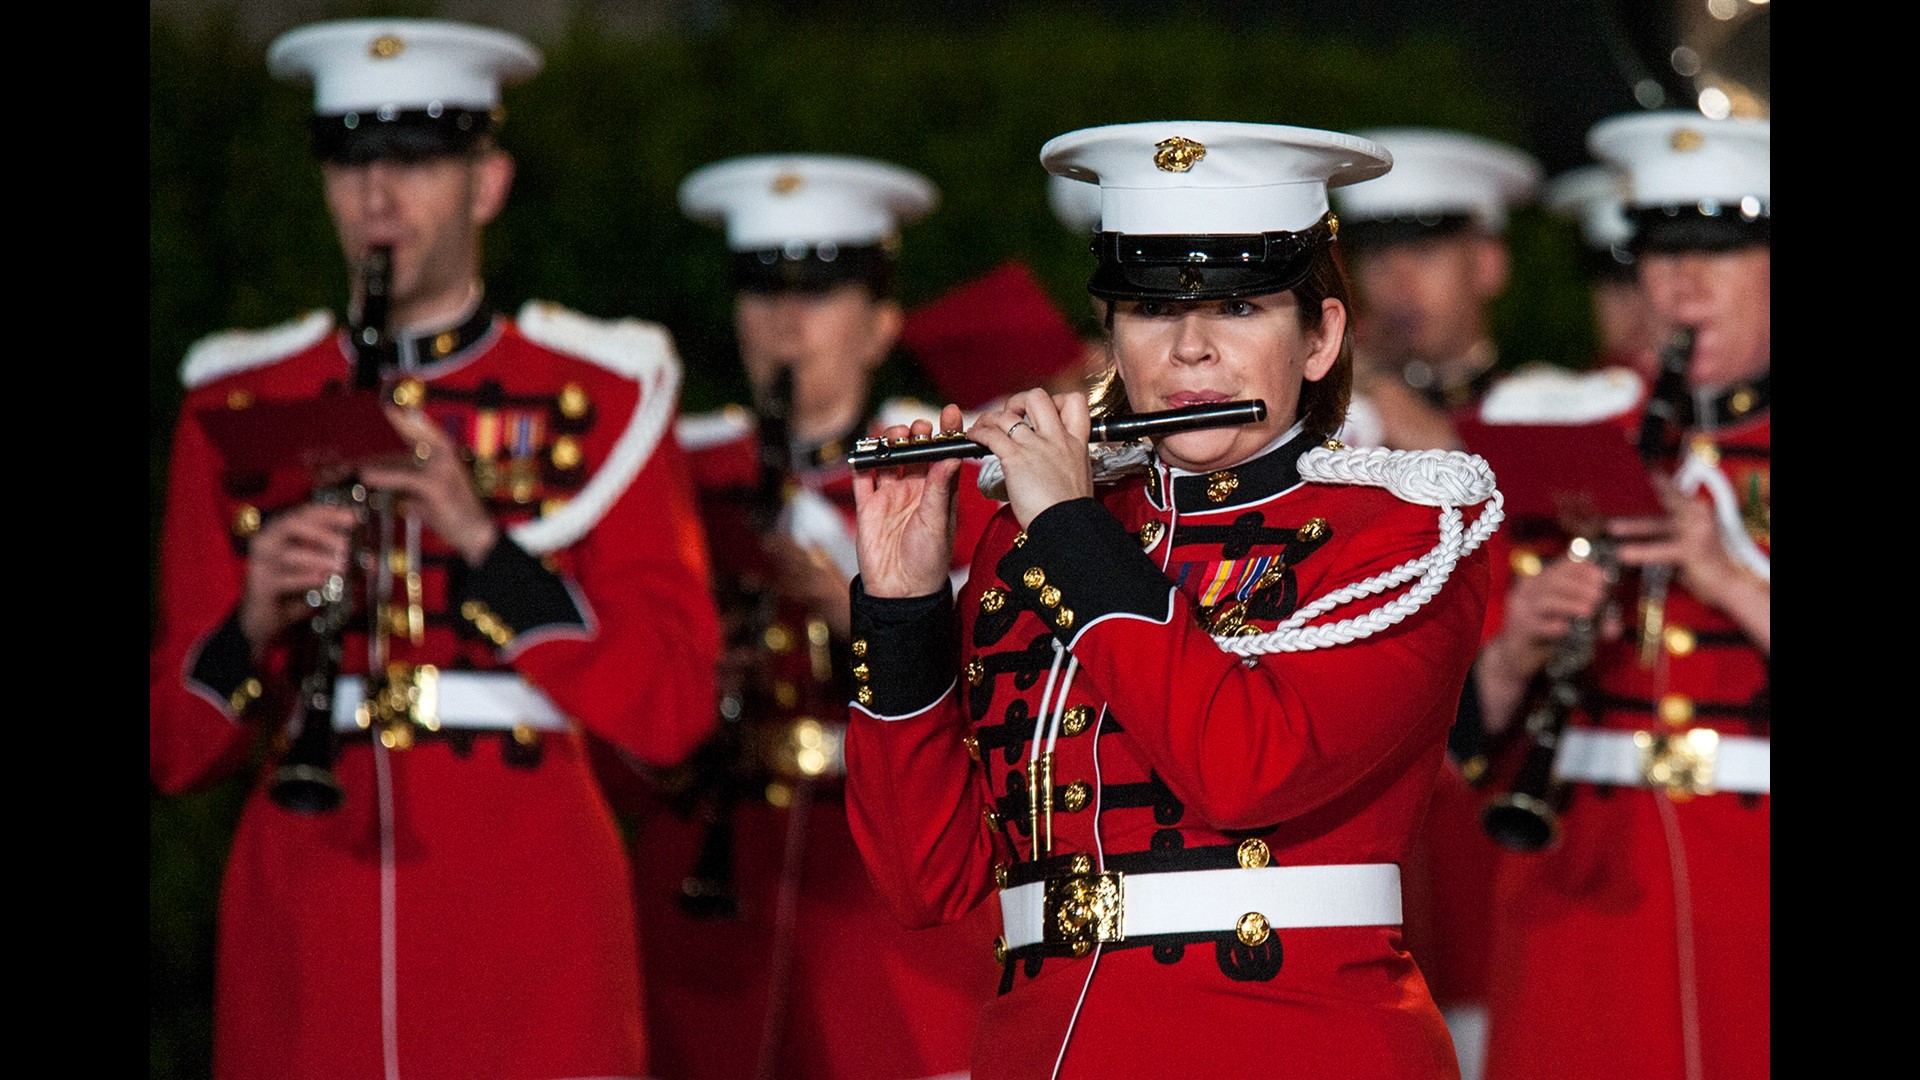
<point x="1701" y="761"/>
<point x="1201" y="901"/>
<point x="488" y="700"/>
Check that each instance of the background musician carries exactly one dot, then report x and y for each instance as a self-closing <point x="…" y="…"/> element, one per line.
<point x="538" y="582"/>
<point x="778" y="958"/>
<point x="1639" y="945"/>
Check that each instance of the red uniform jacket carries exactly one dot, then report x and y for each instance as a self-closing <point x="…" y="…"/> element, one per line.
<point x="811" y="973"/>
<point x="1640" y="946"/>
<point x="464" y="912"/>
<point x="1091" y="632"/>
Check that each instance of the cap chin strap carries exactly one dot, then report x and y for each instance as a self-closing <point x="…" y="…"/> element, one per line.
<point x="1448" y="479"/>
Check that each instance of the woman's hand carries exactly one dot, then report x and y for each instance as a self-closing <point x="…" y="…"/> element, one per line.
<point x="436" y="486"/>
<point x="904" y="520"/>
<point x="1041" y="441"/>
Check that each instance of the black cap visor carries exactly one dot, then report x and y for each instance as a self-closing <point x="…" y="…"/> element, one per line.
<point x="814" y="268"/>
<point x="1374" y="234"/>
<point x="1705" y="227"/>
<point x="1217" y="266"/>
<point x="414" y="135"/>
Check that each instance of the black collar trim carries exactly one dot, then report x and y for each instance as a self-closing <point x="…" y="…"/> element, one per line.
<point x="1253" y="480"/>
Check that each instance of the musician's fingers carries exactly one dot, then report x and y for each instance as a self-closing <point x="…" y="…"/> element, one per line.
<point x="951" y="419"/>
<point x="1074" y="416"/>
<point x="1036" y="408"/>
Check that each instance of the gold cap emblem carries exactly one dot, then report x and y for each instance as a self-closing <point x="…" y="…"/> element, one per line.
<point x="1177" y="154"/>
<point x="386" y="47"/>
<point x="1686" y="140"/>
<point x="786" y="183"/>
<point x="1191" y="278"/>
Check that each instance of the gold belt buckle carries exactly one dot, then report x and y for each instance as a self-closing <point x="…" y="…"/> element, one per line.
<point x="1080" y="909"/>
<point x="398" y="698"/>
<point x="1683" y="763"/>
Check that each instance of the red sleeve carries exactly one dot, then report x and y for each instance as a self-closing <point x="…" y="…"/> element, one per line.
<point x="643" y="676"/>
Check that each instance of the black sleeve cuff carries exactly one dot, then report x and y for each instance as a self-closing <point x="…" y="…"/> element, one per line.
<point x="1078" y="564"/>
<point x="1467" y="742"/>
<point x="905" y="651"/>
<point x="225" y="666"/>
<point x="512" y="593"/>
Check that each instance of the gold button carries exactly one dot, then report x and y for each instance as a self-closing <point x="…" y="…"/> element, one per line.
<point x="1704" y="449"/>
<point x="1000" y="872"/>
<point x="1150" y="533"/>
<point x="860" y="672"/>
<point x="1075" y="720"/>
<point x="1253" y="928"/>
<point x="239" y="399"/>
<point x="246" y="520"/>
<point x="1679" y="640"/>
<point x="550" y="507"/>
<point x="1000" y="950"/>
<point x="443" y="343"/>
<point x="1313" y="529"/>
<point x="566" y="452"/>
<point x="976" y="672"/>
<point x="472" y="610"/>
<point x="1063" y="618"/>
<point x="786" y="695"/>
<point x="1050" y="596"/>
<point x="1333" y="226"/>
<point x="1076" y="796"/>
<point x="1676" y="709"/>
<point x="972" y="743"/>
<point x="859" y="646"/>
<point x="1741" y="402"/>
<point x="993" y="599"/>
<point x="1253" y="854"/>
<point x="991" y="818"/>
<point x="408" y="393"/>
<point x="1082" y="863"/>
<point x="1034" y="577"/>
<point x="1020" y="538"/>
<point x="866" y="695"/>
<point x="1220" y="485"/>
<point x="573" y="401"/>
<point x="1082" y="948"/>
<point x="397" y="737"/>
<point x="778" y="639"/>
<point x="525" y="735"/>
<point x="1525" y="563"/>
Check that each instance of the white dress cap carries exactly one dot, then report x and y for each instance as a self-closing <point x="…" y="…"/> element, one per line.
<point x="1682" y="158"/>
<point x="1596" y="197"/>
<point x="1199" y="177"/>
<point x="1444" y="173"/>
<point x="1075" y="203"/>
<point x="768" y="201"/>
<point x="367" y="65"/>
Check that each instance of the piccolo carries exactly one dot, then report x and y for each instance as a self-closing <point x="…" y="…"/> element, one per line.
<point x="878" y="453"/>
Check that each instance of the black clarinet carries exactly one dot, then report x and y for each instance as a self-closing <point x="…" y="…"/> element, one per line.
<point x="724" y="770"/>
<point x="1527" y="817"/>
<point x="303" y="781"/>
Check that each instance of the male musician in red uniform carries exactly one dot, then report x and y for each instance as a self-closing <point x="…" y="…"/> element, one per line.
<point x="778" y="958"/>
<point x="1428" y="247"/>
<point x="539" y="578"/>
<point x="1638" y="945"/>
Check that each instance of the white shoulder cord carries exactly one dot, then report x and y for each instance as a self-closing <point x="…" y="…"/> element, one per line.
<point x="1447" y="479"/>
<point x="1696" y="473"/>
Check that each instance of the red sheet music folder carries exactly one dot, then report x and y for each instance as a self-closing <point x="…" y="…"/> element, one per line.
<point x="1564" y="472"/>
<point x="319" y="436"/>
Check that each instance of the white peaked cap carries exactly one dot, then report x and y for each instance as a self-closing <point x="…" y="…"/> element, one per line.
<point x="1075" y="203"/>
<point x="370" y="65"/>
<point x="1438" y="173"/>
<point x="774" y="200"/>
<point x="1197" y="177"/>
<point x="1683" y="158"/>
<point x="1596" y="197"/>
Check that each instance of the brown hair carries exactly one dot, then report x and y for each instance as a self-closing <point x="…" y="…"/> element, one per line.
<point x="1323" y="404"/>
